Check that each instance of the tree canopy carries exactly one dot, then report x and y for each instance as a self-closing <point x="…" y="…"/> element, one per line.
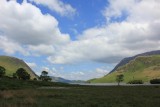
<point x="44" y="76"/>
<point x="2" y="71"/>
<point x="22" y="74"/>
<point x="119" y="78"/>
<point x="44" y="73"/>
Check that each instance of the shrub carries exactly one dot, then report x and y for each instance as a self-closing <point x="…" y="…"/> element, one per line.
<point x="22" y="74"/>
<point x="45" y="78"/>
<point x="155" y="81"/>
<point x="2" y="71"/>
<point x="135" y="82"/>
<point x="35" y="79"/>
<point x="119" y="78"/>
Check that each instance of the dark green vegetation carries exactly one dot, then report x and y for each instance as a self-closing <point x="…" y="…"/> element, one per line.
<point x="11" y="64"/>
<point x="142" y="68"/>
<point x="2" y="71"/>
<point x="22" y="74"/>
<point x="20" y="93"/>
<point x="135" y="82"/>
<point x="7" y="83"/>
<point x="119" y="78"/>
<point x="85" y="96"/>
<point x="155" y="81"/>
<point x="44" y="76"/>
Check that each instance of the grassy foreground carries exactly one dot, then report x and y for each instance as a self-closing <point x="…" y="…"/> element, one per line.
<point x="82" y="97"/>
<point x="16" y="93"/>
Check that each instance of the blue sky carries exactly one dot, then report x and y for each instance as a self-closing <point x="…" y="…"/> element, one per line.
<point x="78" y="39"/>
<point x="88" y="14"/>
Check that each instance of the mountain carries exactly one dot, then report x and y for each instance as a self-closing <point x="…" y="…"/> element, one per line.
<point x="59" y="79"/>
<point x="143" y="66"/>
<point x="126" y="60"/>
<point x="11" y="64"/>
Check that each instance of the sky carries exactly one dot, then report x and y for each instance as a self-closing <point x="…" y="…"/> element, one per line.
<point x="78" y="39"/>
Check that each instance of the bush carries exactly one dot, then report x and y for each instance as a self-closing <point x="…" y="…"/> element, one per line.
<point x="22" y="74"/>
<point x="35" y="79"/>
<point x="135" y="82"/>
<point x="2" y="71"/>
<point x="155" y="81"/>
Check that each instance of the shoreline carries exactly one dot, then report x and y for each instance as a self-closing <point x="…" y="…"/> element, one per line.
<point x="114" y="84"/>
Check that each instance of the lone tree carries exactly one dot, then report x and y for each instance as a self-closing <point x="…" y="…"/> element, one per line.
<point x="44" y="76"/>
<point x="2" y="71"/>
<point x="119" y="78"/>
<point x="22" y="74"/>
<point x="44" y="73"/>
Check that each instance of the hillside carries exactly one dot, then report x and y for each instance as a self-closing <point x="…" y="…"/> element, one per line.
<point x="127" y="60"/>
<point x="11" y="64"/>
<point x="142" y="67"/>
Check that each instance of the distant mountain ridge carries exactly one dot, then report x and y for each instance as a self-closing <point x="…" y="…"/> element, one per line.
<point x="145" y="66"/>
<point x="128" y="59"/>
<point x="60" y="79"/>
<point x="11" y="64"/>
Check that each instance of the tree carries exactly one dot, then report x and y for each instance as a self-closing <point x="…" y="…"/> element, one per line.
<point x="44" y="73"/>
<point x="35" y="79"/>
<point x="22" y="74"/>
<point x="2" y="71"/>
<point x="44" y="76"/>
<point x="119" y="78"/>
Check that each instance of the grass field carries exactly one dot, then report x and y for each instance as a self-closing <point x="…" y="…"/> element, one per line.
<point x="82" y="97"/>
<point x="17" y="93"/>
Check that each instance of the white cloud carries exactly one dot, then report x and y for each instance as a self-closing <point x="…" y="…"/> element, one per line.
<point x="27" y="25"/>
<point x="136" y="10"/>
<point x="45" y="68"/>
<point x="116" y="8"/>
<point x="51" y="71"/>
<point x="101" y="71"/>
<point x="31" y="64"/>
<point x="79" y="75"/>
<point x="58" y="6"/>
<point x="138" y="32"/>
<point x="24" y="26"/>
<point x="41" y="49"/>
<point x="10" y="47"/>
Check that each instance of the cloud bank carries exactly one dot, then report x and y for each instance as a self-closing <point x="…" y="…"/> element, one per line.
<point x="132" y="26"/>
<point x="26" y="28"/>
<point x="138" y="31"/>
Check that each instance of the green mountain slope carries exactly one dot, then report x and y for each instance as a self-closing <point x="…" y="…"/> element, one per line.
<point x="143" y="67"/>
<point x="11" y="64"/>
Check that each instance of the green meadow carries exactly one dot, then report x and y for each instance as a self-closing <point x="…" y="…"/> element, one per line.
<point x="47" y="94"/>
